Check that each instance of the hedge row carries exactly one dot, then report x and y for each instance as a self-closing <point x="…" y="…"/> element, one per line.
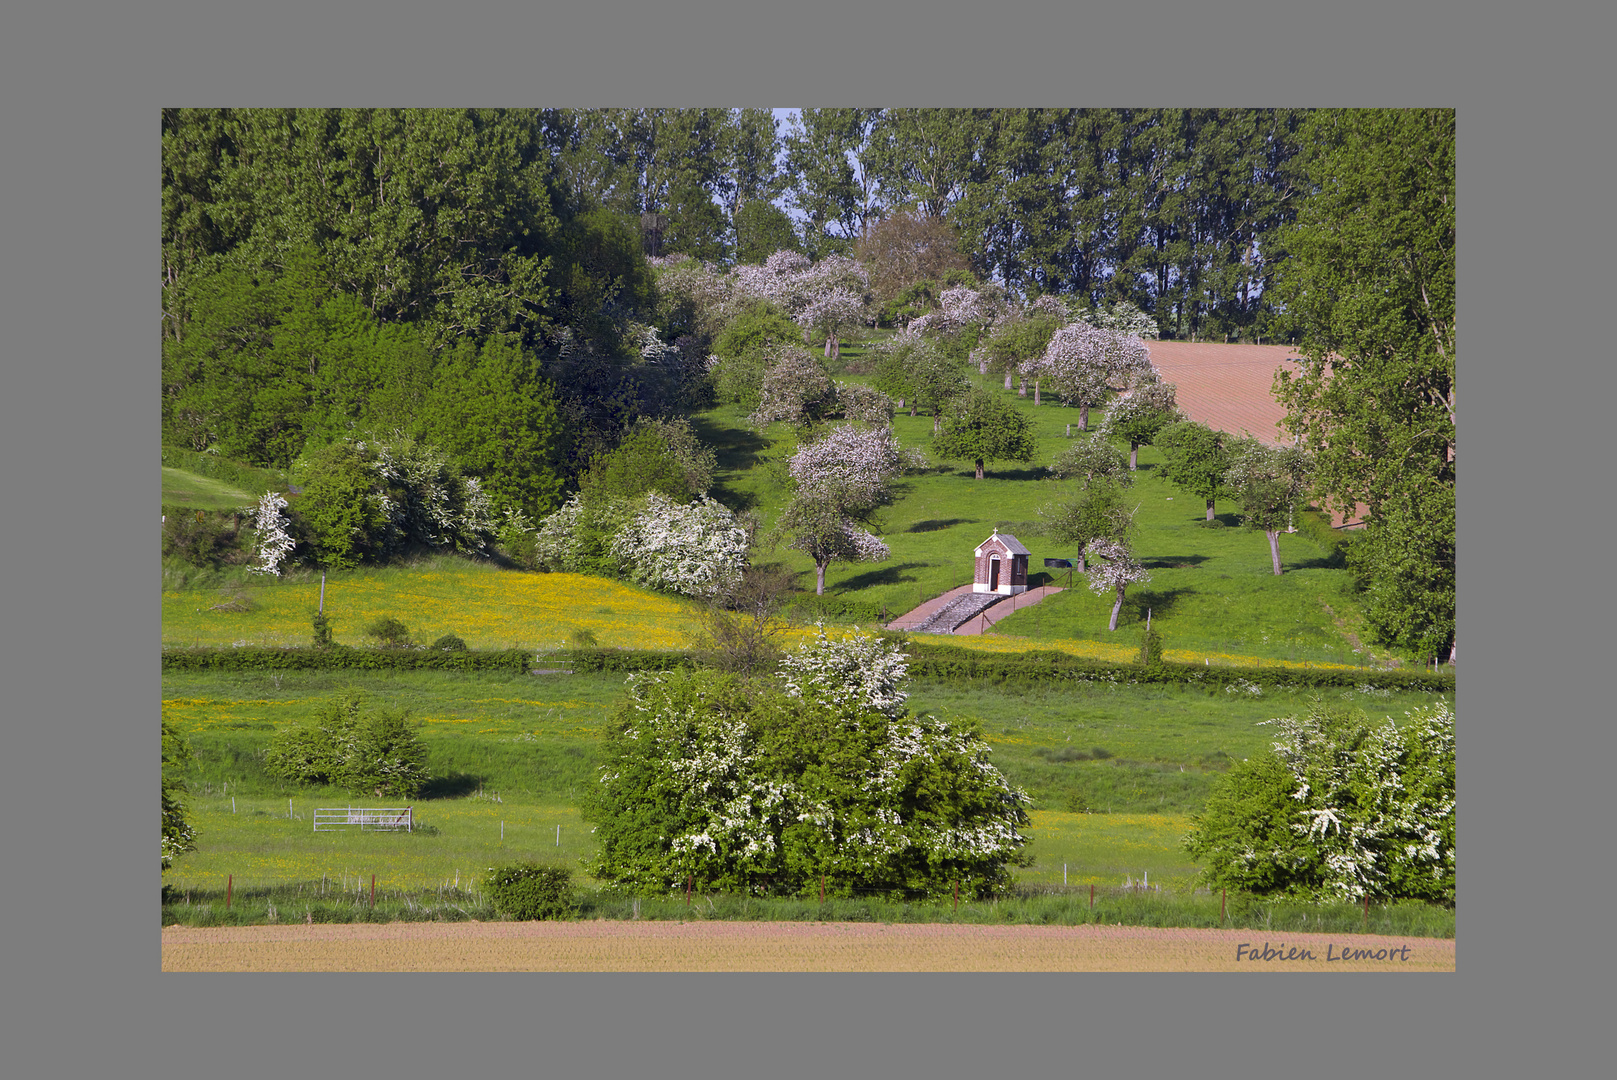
<point x="952" y="663"/>
<point x="943" y="663"/>
<point x="344" y="658"/>
<point x="246" y="477"/>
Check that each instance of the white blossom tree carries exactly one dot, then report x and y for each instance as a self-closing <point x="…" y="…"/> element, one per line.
<point x="274" y="543"/>
<point x="865" y="404"/>
<point x="1074" y="362"/>
<point x="851" y="675"/>
<point x="1118" y="570"/>
<point x="1340" y="811"/>
<point x="815" y="779"/>
<point x="1083" y="364"/>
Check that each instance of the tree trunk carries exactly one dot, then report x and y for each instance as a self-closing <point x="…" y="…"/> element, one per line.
<point x="979" y="468"/>
<point x="1082" y="567"/>
<point x="1209" y="509"/>
<point x="1274" y="547"/>
<point x="1134" y="456"/>
<point x="1007" y="380"/>
<point x="819" y="578"/>
<point x="1116" y="608"/>
<point x="1036" y="391"/>
<point x="1083" y="418"/>
<point x="1452" y="641"/>
<point x="937" y="422"/>
<point x="1021" y="390"/>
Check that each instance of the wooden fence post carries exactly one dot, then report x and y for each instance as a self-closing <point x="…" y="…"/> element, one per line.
<point x="1092" y="898"/>
<point x="957" y="895"/>
<point x="373" y="892"/>
<point x="229" y="881"/>
<point x="688" y="878"/>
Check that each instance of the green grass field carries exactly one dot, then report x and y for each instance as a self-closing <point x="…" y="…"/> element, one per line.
<point x="1114" y="772"/>
<point x="202" y="492"/>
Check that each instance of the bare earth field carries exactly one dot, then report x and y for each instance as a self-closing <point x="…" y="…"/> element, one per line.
<point x="1231" y="388"/>
<point x="732" y="946"/>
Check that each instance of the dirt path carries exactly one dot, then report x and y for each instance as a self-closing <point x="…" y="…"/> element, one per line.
<point x="727" y="946"/>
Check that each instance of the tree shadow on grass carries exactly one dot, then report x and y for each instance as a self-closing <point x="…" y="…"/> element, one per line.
<point x="1157" y="601"/>
<point x="936" y="524"/>
<point x="1037" y="472"/>
<point x="455" y="785"/>
<point x="735" y="449"/>
<point x="1174" y="562"/>
<point x="887" y="575"/>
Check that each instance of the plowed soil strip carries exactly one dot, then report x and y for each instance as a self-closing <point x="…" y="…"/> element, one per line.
<point x="736" y="946"/>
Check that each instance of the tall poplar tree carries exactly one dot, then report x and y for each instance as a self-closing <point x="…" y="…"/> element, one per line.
<point x="1368" y="281"/>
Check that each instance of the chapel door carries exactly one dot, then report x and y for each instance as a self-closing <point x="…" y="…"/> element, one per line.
<point x="993" y="574"/>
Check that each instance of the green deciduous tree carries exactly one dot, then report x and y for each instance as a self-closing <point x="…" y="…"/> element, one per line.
<point x="178" y="835"/>
<point x="1098" y="511"/>
<point x="1368" y="280"/>
<point x="1195" y="459"/>
<point x="642" y="462"/>
<point x="1271" y="482"/>
<point x="364" y="748"/>
<point x="494" y="412"/>
<point x="981" y="427"/>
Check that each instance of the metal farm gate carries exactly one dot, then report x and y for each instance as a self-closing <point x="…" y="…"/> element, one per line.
<point x="386" y="819"/>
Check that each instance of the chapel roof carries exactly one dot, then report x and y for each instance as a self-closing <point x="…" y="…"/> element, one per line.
<point x="1012" y="544"/>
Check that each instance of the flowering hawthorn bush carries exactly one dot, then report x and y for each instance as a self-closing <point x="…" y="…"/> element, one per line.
<point x="1340" y="811"/>
<point x="696" y="550"/>
<point x="735" y="786"/>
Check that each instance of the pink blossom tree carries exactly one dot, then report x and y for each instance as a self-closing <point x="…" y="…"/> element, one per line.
<point x="795" y="390"/>
<point x="841" y="480"/>
<point x="1147" y="408"/>
<point x="1117" y="570"/>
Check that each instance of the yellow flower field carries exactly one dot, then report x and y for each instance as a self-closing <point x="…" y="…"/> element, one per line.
<point x="488" y="608"/>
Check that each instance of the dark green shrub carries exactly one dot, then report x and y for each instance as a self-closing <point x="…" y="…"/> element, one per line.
<point x="203" y="538"/>
<point x="529" y="890"/>
<point x="1150" y="648"/>
<point x="389" y="632"/>
<point x="322" y="631"/>
<point x="372" y="751"/>
<point x="450" y="643"/>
